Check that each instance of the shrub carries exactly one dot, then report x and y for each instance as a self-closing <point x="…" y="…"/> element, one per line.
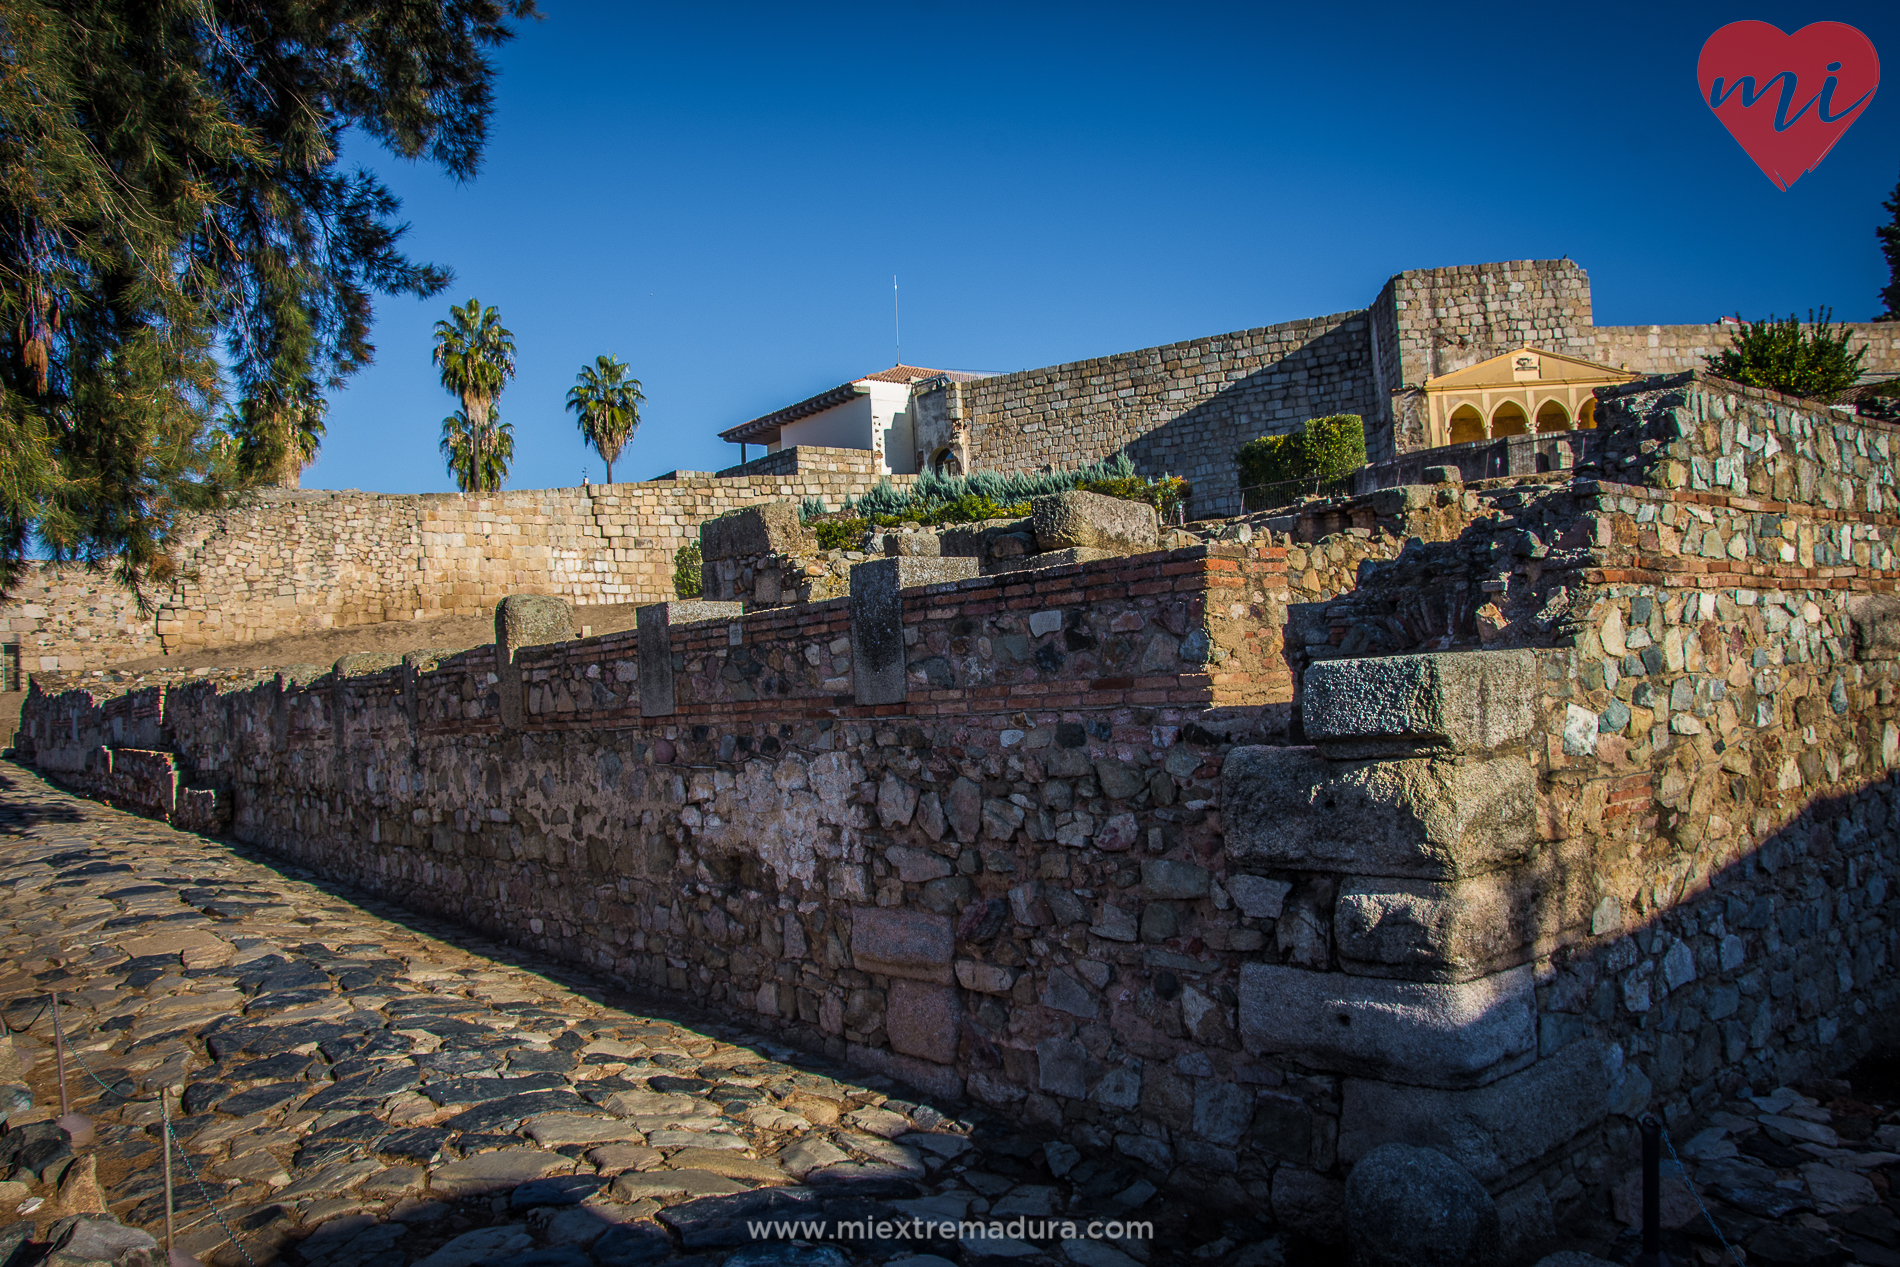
<point x="936" y="499"/>
<point x="1325" y="450"/>
<point x="841" y="534"/>
<point x="1166" y="494"/>
<point x="1782" y="357"/>
<point x="686" y="577"/>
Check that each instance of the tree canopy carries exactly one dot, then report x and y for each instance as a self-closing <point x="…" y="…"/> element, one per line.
<point x="477" y="358"/>
<point x="1889" y="235"/>
<point x="478" y="468"/>
<point x="606" y="399"/>
<point x="176" y="229"/>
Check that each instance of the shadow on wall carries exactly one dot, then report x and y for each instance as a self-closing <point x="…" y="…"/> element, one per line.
<point x="1329" y="375"/>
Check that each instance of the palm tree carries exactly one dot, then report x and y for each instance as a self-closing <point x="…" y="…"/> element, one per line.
<point x="608" y="403"/>
<point x="477" y="357"/>
<point x="478" y="471"/>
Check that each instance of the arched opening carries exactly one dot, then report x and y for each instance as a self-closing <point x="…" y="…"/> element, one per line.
<point x="945" y="462"/>
<point x="1552" y="416"/>
<point x="1509" y="419"/>
<point x="1587" y="416"/>
<point x="1466" y="424"/>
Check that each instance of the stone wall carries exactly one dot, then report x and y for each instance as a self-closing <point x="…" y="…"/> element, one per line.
<point x="66" y="616"/>
<point x="1585" y="801"/>
<point x="1181" y="409"/>
<point x="287" y="563"/>
<point x="1681" y="349"/>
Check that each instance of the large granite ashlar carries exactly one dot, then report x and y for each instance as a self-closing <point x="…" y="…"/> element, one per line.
<point x="1460" y="701"/>
<point x="1439" y="818"/>
<point x="1419" y="1033"/>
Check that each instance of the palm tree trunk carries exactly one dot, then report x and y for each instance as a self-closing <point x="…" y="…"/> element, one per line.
<point x="610" y="470"/>
<point x="472" y="410"/>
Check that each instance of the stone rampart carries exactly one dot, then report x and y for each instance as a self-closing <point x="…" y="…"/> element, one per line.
<point x="289" y="563"/>
<point x="1681" y="349"/>
<point x="1585" y="800"/>
<point x="1181" y="409"/>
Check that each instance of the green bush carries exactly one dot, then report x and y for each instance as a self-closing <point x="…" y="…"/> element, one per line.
<point x="1166" y="494"/>
<point x="841" y="534"/>
<point x="686" y="577"/>
<point x="1782" y="357"/>
<point x="1325" y="450"/>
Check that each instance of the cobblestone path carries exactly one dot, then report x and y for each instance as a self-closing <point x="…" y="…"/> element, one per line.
<point x="360" y="1087"/>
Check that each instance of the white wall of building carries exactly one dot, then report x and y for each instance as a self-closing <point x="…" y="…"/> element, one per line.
<point x="879" y="420"/>
<point x="846" y="426"/>
<point x="891" y="429"/>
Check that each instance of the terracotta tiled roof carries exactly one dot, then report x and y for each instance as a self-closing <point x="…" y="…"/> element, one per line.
<point x="900" y="374"/>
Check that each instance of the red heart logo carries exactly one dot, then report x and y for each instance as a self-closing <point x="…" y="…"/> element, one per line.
<point x="1787" y="98"/>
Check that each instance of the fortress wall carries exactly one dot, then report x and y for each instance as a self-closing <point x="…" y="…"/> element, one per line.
<point x="67" y="616"/>
<point x="1444" y="319"/>
<point x="1185" y="408"/>
<point x="1681" y="349"/>
<point x="287" y="563"/>
<point x="1182" y="409"/>
<point x="1081" y="871"/>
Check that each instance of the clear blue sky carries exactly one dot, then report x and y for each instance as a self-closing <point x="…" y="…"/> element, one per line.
<point x="720" y="195"/>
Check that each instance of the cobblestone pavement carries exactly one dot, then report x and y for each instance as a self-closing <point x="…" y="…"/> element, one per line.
<point x="1798" y="1177"/>
<point x="365" y="1088"/>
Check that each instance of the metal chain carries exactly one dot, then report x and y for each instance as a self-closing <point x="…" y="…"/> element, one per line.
<point x="183" y="1156"/>
<point x="1696" y="1196"/>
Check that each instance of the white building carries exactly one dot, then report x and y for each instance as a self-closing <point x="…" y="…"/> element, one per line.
<point x="873" y="412"/>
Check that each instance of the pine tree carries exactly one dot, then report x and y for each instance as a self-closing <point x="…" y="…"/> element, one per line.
<point x="175" y="229"/>
<point x="1889" y="235"/>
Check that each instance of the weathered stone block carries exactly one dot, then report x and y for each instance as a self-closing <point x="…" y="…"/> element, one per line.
<point x="878" y="666"/>
<point x="1258" y="897"/>
<point x="768" y="528"/>
<point x="921" y="1019"/>
<point x="1465" y="701"/>
<point x="913" y="545"/>
<point x="363" y="663"/>
<point x="1407" y="1206"/>
<point x="1170" y="880"/>
<point x="524" y="620"/>
<point x="1428" y="818"/>
<point x="1089" y="520"/>
<point x="899" y="943"/>
<point x="531" y="620"/>
<point x="1061" y="1067"/>
<point x="1489" y="1130"/>
<point x="1429" y="930"/>
<point x="654" y="646"/>
<point x="1419" y="1033"/>
<point x="1876" y="620"/>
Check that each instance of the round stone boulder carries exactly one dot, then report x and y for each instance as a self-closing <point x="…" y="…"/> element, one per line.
<point x="1414" y="1207"/>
